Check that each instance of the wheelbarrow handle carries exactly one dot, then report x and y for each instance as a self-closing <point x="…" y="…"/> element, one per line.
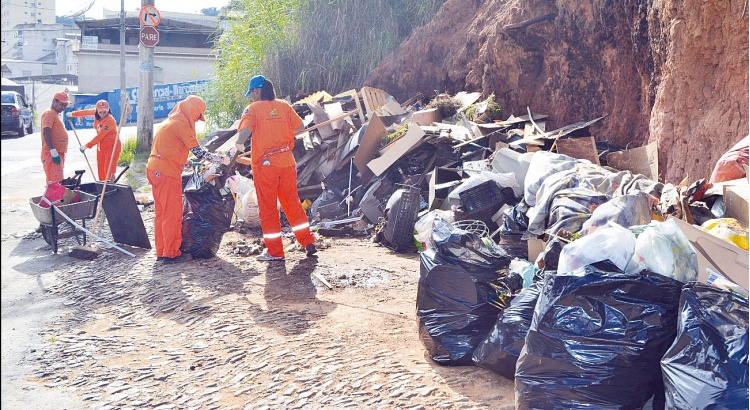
<point x="127" y="167"/>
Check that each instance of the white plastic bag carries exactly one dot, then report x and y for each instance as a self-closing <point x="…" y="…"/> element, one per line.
<point x="661" y="247"/>
<point x="423" y="226"/>
<point x="610" y="242"/>
<point x="246" y="202"/>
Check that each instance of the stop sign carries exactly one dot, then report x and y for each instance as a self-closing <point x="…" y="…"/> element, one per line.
<point x="149" y="36"/>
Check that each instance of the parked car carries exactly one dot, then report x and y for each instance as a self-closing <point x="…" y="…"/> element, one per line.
<point x="17" y="116"/>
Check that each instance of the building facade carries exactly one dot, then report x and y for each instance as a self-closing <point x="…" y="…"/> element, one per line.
<point x="184" y="53"/>
<point x="17" y="12"/>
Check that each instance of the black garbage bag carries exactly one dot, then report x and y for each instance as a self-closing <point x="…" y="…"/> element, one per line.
<point x="458" y="299"/>
<point x="515" y="223"/>
<point x="596" y="340"/>
<point x="206" y="216"/>
<point x="707" y="365"/>
<point x="499" y="351"/>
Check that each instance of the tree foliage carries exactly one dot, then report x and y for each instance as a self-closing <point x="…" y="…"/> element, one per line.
<point x="306" y="46"/>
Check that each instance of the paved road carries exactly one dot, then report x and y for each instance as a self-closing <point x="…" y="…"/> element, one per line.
<point x="27" y="303"/>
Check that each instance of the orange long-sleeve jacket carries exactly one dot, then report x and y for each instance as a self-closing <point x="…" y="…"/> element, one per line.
<point x="175" y="138"/>
<point x="106" y="129"/>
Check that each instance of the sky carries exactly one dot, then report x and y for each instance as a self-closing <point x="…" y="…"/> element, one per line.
<point x="67" y="7"/>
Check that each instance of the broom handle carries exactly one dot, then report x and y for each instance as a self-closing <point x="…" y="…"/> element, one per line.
<point x="93" y="175"/>
<point x="104" y="188"/>
<point x="91" y="234"/>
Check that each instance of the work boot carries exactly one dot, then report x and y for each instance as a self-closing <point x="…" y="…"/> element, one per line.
<point x="185" y="257"/>
<point x="266" y="257"/>
<point x="311" y="249"/>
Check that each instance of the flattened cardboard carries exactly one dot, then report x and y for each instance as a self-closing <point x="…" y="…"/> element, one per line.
<point x="396" y="150"/>
<point x="717" y="255"/>
<point x="641" y="160"/>
<point x="580" y="147"/>
<point x="736" y="202"/>
<point x="369" y="146"/>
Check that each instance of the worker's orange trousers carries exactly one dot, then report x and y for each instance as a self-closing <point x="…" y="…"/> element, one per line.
<point x="272" y="183"/>
<point x="53" y="172"/>
<point x="167" y="213"/>
<point x="103" y="155"/>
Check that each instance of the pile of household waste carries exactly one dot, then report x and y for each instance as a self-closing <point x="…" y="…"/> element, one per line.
<point x="546" y="256"/>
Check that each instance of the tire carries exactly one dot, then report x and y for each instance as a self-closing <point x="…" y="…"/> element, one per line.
<point x="30" y="128"/>
<point x="21" y="131"/>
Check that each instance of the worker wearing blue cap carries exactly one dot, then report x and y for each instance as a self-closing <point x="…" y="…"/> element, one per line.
<point x="273" y="123"/>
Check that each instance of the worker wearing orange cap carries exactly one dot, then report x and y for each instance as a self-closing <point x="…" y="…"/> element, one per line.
<point x="54" y="138"/>
<point x="169" y="152"/>
<point x="108" y="145"/>
<point x="272" y="124"/>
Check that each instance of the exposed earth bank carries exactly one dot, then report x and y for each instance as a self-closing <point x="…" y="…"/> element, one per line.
<point x="672" y="72"/>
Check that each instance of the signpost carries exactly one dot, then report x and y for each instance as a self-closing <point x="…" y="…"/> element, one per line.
<point x="149" y="36"/>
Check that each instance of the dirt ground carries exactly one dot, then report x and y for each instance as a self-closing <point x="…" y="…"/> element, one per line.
<point x="336" y="331"/>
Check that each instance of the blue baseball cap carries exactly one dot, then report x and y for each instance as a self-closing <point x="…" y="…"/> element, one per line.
<point x="255" y="82"/>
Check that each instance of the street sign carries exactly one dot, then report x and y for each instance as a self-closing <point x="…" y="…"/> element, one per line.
<point x="149" y="36"/>
<point x="149" y="16"/>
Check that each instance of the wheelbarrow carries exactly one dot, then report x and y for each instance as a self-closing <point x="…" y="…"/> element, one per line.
<point x="54" y="226"/>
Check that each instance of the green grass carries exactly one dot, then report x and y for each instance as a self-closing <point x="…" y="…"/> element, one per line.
<point x="128" y="152"/>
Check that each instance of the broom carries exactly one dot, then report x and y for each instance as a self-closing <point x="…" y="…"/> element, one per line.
<point x="91" y="252"/>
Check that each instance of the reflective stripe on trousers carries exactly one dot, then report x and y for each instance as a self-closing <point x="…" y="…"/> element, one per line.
<point x="274" y="184"/>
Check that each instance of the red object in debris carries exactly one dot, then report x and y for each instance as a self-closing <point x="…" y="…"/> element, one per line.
<point x="53" y="193"/>
<point x="729" y="166"/>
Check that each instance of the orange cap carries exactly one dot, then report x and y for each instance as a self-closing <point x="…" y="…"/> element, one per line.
<point x="62" y="97"/>
<point x="102" y="104"/>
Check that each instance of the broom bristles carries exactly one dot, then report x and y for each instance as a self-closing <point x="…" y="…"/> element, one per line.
<point x="84" y="252"/>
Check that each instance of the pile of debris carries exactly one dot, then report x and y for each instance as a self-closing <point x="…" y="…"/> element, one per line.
<point x="361" y="150"/>
<point x="516" y="222"/>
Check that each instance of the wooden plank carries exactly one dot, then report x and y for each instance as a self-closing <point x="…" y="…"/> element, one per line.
<point x="373" y="98"/>
<point x="582" y="148"/>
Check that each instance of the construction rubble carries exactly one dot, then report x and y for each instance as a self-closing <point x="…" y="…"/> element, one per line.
<point x="545" y="256"/>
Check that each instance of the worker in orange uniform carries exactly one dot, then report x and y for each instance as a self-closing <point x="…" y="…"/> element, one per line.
<point x="54" y="138"/>
<point x="169" y="152"/>
<point x="272" y="123"/>
<point x="105" y="140"/>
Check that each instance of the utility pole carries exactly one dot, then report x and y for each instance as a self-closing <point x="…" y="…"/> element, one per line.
<point x="123" y="86"/>
<point x="145" y="92"/>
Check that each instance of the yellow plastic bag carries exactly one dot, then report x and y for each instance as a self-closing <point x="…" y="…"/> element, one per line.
<point x="728" y="229"/>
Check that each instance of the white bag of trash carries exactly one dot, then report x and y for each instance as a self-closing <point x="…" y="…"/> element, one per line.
<point x="246" y="202"/>
<point x="610" y="242"/>
<point x="661" y="247"/>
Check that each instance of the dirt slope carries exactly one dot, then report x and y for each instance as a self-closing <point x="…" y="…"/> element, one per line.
<point x="675" y="72"/>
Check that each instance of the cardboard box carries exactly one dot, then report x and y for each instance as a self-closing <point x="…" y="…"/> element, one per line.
<point x="442" y="182"/>
<point x="536" y="246"/>
<point x="426" y="117"/>
<point x="736" y="202"/>
<point x="717" y="255"/>
<point x="641" y="160"/>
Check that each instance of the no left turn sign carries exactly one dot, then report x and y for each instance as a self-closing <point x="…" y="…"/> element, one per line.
<point x="149" y="16"/>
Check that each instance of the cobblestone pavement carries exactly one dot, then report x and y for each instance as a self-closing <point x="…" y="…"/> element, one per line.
<point x="333" y="332"/>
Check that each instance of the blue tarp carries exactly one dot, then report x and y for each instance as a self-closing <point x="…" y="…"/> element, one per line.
<point x="166" y="96"/>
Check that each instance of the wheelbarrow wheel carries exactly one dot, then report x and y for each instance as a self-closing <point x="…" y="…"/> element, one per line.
<point x="49" y="233"/>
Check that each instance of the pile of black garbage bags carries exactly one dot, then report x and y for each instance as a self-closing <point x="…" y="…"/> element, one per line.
<point x="614" y="330"/>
